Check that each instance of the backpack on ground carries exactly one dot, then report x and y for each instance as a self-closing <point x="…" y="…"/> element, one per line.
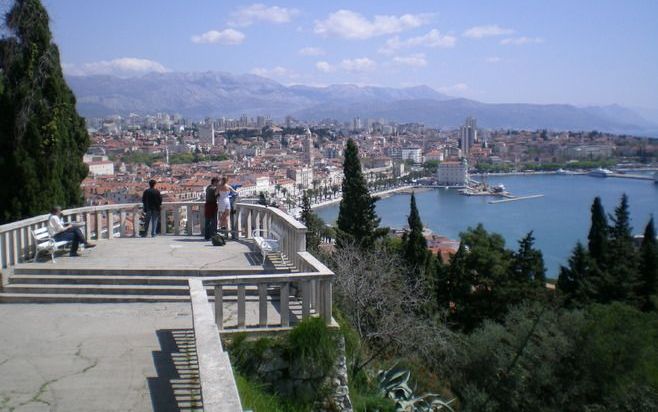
<point x="218" y="240"/>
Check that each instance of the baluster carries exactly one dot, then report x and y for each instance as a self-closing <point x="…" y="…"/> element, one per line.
<point x="190" y="221"/>
<point x="249" y="231"/>
<point x="284" y="300"/>
<point x="219" y="307"/>
<point x="326" y="300"/>
<point x="262" y="304"/>
<point x="241" y="306"/>
<point x="135" y="214"/>
<point x="202" y="220"/>
<point x="163" y="221"/>
<point x="110" y="224"/>
<point x="239" y="222"/>
<point x="314" y="295"/>
<point x="306" y="299"/>
<point x="99" y="225"/>
<point x="122" y="223"/>
<point x="176" y="220"/>
<point x="3" y="249"/>
<point x="88" y="225"/>
<point x="12" y="248"/>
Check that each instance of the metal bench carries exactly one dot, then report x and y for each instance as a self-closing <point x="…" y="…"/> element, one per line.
<point x="269" y="241"/>
<point x="43" y="241"/>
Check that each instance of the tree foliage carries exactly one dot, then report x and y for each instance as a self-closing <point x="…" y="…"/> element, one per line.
<point x="414" y="246"/>
<point x="42" y="137"/>
<point x="314" y="225"/>
<point x="357" y="220"/>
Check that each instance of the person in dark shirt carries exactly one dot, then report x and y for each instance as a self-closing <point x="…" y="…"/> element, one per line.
<point x="152" y="200"/>
<point x="210" y="209"/>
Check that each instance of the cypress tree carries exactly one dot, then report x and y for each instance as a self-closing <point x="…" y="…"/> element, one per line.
<point x="575" y="281"/>
<point x="621" y="281"/>
<point x="414" y="245"/>
<point x="528" y="264"/>
<point x="598" y="234"/>
<point x="357" y="220"/>
<point x="314" y="225"/>
<point x="648" y="284"/>
<point x="42" y="137"/>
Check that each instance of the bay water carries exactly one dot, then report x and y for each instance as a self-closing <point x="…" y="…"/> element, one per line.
<point x="558" y="220"/>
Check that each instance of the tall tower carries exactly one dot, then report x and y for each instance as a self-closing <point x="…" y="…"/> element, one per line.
<point x="308" y="148"/>
<point x="468" y="135"/>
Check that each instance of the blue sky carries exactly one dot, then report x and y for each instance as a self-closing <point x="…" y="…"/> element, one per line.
<point x="580" y="52"/>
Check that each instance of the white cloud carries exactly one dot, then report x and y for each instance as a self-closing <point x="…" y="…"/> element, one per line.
<point x="491" y="30"/>
<point x="351" y="25"/>
<point x="246" y="16"/>
<point x="311" y="51"/>
<point x="433" y="38"/>
<point x="414" y="60"/>
<point x="122" y="67"/>
<point x="520" y="41"/>
<point x="458" y="88"/>
<point x="324" y="67"/>
<point x="362" y="64"/>
<point x="493" y="59"/>
<point x="226" y="36"/>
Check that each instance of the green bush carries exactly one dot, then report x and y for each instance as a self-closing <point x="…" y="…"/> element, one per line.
<point x="312" y="343"/>
<point x="255" y="397"/>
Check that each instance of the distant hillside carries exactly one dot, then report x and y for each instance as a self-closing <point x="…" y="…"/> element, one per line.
<point x="197" y="95"/>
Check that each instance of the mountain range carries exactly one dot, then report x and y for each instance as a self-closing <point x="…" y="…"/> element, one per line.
<point x="197" y="95"/>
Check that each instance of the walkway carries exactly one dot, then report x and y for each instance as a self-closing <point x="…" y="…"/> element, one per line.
<point x="103" y="357"/>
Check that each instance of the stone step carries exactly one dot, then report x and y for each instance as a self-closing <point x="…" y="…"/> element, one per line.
<point x="129" y="289"/>
<point x="47" y="269"/>
<point x="97" y="280"/>
<point x="6" y="297"/>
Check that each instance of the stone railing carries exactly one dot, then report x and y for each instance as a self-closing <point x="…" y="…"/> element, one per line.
<point x="311" y="288"/>
<point x="126" y="220"/>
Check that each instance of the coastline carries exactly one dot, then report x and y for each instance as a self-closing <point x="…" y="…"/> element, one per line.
<point x="382" y="195"/>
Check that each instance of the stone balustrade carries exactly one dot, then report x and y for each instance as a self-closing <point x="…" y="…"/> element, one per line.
<point x="312" y="287"/>
<point x="126" y="220"/>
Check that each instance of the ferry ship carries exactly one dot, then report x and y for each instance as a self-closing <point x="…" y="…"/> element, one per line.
<point x="600" y="172"/>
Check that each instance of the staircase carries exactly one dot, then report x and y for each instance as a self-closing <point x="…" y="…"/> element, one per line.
<point x="46" y="283"/>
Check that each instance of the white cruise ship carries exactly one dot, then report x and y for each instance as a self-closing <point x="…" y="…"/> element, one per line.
<point x="600" y="172"/>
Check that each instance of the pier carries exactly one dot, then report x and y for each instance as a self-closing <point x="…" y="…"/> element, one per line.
<point x="515" y="198"/>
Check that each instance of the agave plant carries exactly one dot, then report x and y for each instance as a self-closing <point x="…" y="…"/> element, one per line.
<point x="394" y="384"/>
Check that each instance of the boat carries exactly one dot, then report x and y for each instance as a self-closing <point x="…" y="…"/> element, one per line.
<point x="498" y="188"/>
<point x="600" y="172"/>
<point x="561" y="172"/>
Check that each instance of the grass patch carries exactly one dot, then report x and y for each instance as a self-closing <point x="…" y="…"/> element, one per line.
<point x="254" y="397"/>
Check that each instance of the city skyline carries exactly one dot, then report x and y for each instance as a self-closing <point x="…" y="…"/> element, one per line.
<point x="586" y="53"/>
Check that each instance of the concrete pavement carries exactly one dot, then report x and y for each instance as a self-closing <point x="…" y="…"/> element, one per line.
<point x="98" y="357"/>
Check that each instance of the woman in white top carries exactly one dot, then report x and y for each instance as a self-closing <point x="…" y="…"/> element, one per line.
<point x="224" y="191"/>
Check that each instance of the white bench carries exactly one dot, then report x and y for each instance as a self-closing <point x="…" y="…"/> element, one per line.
<point x="271" y="243"/>
<point x="43" y="241"/>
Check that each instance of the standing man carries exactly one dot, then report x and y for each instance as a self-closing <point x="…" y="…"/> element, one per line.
<point x="152" y="200"/>
<point x="210" y="209"/>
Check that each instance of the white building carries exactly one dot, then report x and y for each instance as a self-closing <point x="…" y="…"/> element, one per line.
<point x="414" y="154"/>
<point x="207" y="134"/>
<point x="303" y="176"/>
<point x="452" y="173"/>
<point x="102" y="168"/>
<point x="308" y="148"/>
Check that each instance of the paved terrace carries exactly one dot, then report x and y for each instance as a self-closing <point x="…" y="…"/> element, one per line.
<point x="160" y="356"/>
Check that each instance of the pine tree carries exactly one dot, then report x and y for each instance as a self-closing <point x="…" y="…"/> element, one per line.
<point x="529" y="262"/>
<point x="621" y="280"/>
<point x="42" y="138"/>
<point x="414" y="245"/>
<point x="648" y="283"/>
<point x="598" y="234"/>
<point x="357" y="220"/>
<point x="575" y="281"/>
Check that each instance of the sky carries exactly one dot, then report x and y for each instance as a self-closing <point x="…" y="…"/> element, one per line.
<point x="583" y="52"/>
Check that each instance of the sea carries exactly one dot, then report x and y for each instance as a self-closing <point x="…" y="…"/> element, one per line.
<point x="558" y="220"/>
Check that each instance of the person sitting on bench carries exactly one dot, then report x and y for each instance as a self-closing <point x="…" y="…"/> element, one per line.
<point x="66" y="232"/>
